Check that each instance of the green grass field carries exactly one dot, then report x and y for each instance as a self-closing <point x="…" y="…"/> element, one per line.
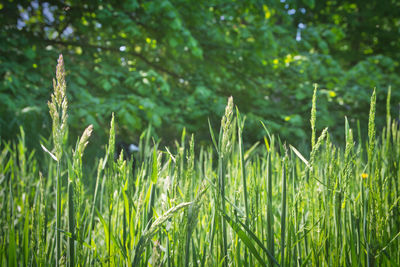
<point x="223" y="206"/>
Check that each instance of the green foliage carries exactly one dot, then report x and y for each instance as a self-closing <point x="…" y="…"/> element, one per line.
<point x="338" y="208"/>
<point x="172" y="64"/>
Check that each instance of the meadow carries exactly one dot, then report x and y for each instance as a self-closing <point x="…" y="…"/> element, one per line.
<point x="217" y="205"/>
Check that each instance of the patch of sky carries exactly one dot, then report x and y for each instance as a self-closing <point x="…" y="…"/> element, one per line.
<point x="68" y="31"/>
<point x="35" y="4"/>
<point x="47" y="11"/>
<point x="298" y="35"/>
<point x="23" y="17"/>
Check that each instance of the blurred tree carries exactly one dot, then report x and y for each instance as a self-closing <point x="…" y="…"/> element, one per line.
<point x="174" y="63"/>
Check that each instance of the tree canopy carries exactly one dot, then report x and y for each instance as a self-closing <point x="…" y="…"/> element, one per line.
<point x="173" y="64"/>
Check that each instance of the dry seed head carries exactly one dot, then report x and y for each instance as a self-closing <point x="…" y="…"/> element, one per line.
<point x="349" y="144"/>
<point x="148" y="235"/>
<point x="60" y="74"/>
<point x="371" y="126"/>
<point x="84" y="139"/>
<point x="59" y="84"/>
<point x="53" y="113"/>
<point x="111" y="140"/>
<point x="313" y="116"/>
<point x="317" y="145"/>
<point x="58" y="106"/>
<point x="226" y="124"/>
<point x="160" y="220"/>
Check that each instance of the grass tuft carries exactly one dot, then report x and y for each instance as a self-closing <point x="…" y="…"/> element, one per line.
<point x="226" y="205"/>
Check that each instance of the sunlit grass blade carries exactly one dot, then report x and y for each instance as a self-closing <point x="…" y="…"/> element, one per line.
<point x="299" y="155"/>
<point x="270" y="212"/>
<point x="26" y="239"/>
<point x="212" y="136"/>
<point x="283" y="213"/>
<point x="247" y="240"/>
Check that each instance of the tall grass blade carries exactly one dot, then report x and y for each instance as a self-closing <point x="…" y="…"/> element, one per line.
<point x="247" y="240"/>
<point x="270" y="212"/>
<point x="25" y="240"/>
<point x="283" y="213"/>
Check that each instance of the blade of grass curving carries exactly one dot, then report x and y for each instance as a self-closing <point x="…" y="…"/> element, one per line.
<point x="246" y="239"/>
<point x="266" y="143"/>
<point x="265" y="128"/>
<point x="126" y="219"/>
<point x="237" y="209"/>
<point x="148" y="234"/>
<point x="250" y="151"/>
<point x="258" y="241"/>
<point x="106" y="229"/>
<point x="299" y="155"/>
<point x="213" y="136"/>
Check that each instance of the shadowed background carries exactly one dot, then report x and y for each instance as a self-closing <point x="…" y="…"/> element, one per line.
<point x="173" y="64"/>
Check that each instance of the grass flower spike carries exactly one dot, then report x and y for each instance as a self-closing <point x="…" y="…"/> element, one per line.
<point x="58" y="108"/>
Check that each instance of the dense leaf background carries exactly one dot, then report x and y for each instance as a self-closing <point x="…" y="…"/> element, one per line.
<point x="173" y="64"/>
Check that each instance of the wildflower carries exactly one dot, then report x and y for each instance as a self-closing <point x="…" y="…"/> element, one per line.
<point x="364" y="175"/>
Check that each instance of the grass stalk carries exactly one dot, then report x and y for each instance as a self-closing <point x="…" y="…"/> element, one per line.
<point x="243" y="171"/>
<point x="71" y="224"/>
<point x="283" y="213"/>
<point x="270" y="213"/>
<point x="58" y="112"/>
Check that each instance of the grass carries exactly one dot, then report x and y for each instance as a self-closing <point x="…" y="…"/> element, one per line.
<point x="266" y="206"/>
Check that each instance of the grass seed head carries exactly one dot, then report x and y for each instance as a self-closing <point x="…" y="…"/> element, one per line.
<point x="84" y="139"/>
<point x="313" y="116"/>
<point x="371" y="126"/>
<point x="226" y="124"/>
<point x="58" y="108"/>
